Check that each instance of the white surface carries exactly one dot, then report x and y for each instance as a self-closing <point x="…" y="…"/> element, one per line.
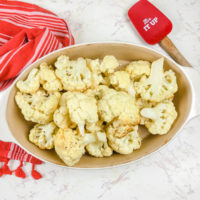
<point x="171" y="174"/>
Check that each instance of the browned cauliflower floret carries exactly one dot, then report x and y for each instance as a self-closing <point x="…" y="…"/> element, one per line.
<point x="61" y="118"/>
<point x="42" y="135"/>
<point x="120" y="80"/>
<point x="137" y="69"/>
<point x="82" y="108"/>
<point x="70" y="145"/>
<point x="109" y="64"/>
<point x="31" y="84"/>
<point x="123" y="144"/>
<point x="48" y="78"/>
<point x="121" y="105"/>
<point x="120" y="128"/>
<point x="99" y="148"/>
<point x="159" y="85"/>
<point x="75" y="76"/>
<point x="160" y="118"/>
<point x="38" y="107"/>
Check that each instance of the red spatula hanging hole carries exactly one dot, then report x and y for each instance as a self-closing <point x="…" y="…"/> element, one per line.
<point x="154" y="26"/>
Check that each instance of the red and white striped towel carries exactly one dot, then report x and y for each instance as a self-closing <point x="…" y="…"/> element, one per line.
<point x="11" y="151"/>
<point x="27" y="32"/>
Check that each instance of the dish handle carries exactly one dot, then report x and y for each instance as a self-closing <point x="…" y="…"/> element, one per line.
<point x="194" y="77"/>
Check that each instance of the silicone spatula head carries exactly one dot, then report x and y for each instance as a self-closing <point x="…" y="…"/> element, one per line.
<point x="151" y="24"/>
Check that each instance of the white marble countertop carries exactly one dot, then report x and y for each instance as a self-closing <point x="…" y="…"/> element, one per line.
<point x="170" y="174"/>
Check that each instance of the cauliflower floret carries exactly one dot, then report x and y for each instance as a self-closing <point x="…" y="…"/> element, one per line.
<point x="100" y="147"/>
<point x="115" y="104"/>
<point x="159" y="85"/>
<point x="120" y="129"/>
<point x="75" y="76"/>
<point x="48" y="78"/>
<point x="109" y="64"/>
<point x="82" y="108"/>
<point x="61" y="118"/>
<point x="160" y="118"/>
<point x="94" y="66"/>
<point x="120" y="80"/>
<point x="42" y="135"/>
<point x="31" y="84"/>
<point x="62" y="62"/>
<point x="69" y="146"/>
<point x="141" y="103"/>
<point x="137" y="69"/>
<point x="47" y="103"/>
<point x="125" y="144"/>
<point x="38" y="107"/>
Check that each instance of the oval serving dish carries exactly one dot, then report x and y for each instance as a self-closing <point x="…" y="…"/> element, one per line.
<point x="125" y="52"/>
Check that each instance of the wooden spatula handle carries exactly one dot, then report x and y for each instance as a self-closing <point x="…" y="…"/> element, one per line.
<point x="171" y="49"/>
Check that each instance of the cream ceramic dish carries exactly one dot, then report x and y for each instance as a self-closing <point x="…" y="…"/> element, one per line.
<point x="185" y="100"/>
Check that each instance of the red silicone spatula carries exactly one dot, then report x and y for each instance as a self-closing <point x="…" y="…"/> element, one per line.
<point x="154" y="26"/>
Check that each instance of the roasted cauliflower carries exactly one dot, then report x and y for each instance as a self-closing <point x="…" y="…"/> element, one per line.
<point x="123" y="144"/>
<point x="120" y="80"/>
<point x="118" y="104"/>
<point x="109" y="64"/>
<point x="159" y="85"/>
<point x="141" y="103"/>
<point x="160" y="118"/>
<point x="62" y="119"/>
<point x="38" y="107"/>
<point x="42" y="135"/>
<point x="48" y="78"/>
<point x="137" y="69"/>
<point x="62" y="62"/>
<point x="94" y="106"/>
<point x="75" y="76"/>
<point x="31" y="84"/>
<point x="69" y="145"/>
<point x="94" y="66"/>
<point x="82" y="109"/>
<point x="99" y="148"/>
<point x="121" y="128"/>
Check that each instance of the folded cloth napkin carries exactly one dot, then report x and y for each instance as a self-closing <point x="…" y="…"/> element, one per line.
<point x="27" y="32"/>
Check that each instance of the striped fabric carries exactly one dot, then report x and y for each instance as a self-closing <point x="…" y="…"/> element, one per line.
<point x="27" y="32"/>
<point x="11" y="151"/>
